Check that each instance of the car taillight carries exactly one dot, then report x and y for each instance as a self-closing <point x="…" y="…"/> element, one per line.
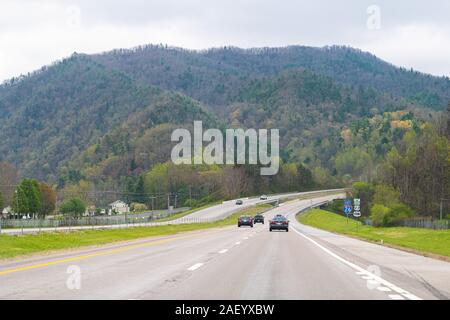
<point x="285" y="222"/>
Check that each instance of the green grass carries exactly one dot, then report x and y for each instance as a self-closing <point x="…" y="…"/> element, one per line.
<point x="13" y="246"/>
<point x="185" y="213"/>
<point x="424" y="241"/>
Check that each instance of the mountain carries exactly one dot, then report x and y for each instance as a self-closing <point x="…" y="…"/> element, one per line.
<point x="52" y="116"/>
<point x="214" y="76"/>
<point x="110" y="115"/>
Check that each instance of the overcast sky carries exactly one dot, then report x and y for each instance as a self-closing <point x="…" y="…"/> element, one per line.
<point x="409" y="33"/>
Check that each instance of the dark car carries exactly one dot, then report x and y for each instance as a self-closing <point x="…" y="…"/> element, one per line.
<point x="239" y="202"/>
<point x="279" y="223"/>
<point x="245" y="221"/>
<point x="259" y="218"/>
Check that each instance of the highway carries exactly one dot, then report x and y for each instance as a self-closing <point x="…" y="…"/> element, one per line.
<point x="209" y="214"/>
<point x="231" y="263"/>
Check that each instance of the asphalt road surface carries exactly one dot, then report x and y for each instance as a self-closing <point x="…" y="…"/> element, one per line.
<point x="231" y="263"/>
<point x="213" y="213"/>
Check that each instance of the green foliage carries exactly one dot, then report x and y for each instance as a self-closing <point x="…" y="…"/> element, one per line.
<point x="389" y="216"/>
<point x="352" y="162"/>
<point x="74" y="207"/>
<point x="48" y="199"/>
<point x="138" y="206"/>
<point x="338" y="122"/>
<point x="386" y="195"/>
<point x="20" y="201"/>
<point x="365" y="192"/>
<point x="422" y="240"/>
<point x="420" y="169"/>
<point x="379" y="214"/>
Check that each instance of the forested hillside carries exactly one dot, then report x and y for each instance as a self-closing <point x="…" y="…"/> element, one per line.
<point x="103" y="122"/>
<point x="216" y="75"/>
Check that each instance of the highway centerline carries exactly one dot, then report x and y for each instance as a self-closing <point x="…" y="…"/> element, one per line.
<point x="92" y="255"/>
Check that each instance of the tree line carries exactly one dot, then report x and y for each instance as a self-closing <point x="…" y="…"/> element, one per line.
<point x="33" y="199"/>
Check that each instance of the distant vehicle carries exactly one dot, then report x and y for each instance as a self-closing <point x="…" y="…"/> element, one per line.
<point x="259" y="218"/>
<point x="279" y="223"/>
<point x="245" y="221"/>
<point x="239" y="202"/>
<point x="263" y="197"/>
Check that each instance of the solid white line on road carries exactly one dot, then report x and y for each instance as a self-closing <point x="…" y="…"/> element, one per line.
<point x="383" y="289"/>
<point x="396" y="297"/>
<point x="361" y="270"/>
<point x="410" y="296"/>
<point x="223" y="251"/>
<point x="195" y="266"/>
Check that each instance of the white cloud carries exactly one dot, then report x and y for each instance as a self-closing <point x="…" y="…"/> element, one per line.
<point x="413" y="33"/>
<point x="422" y="47"/>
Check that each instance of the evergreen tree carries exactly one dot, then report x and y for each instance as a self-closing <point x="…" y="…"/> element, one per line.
<point x="32" y="194"/>
<point x="2" y="203"/>
<point x="20" y="201"/>
<point x="140" y="190"/>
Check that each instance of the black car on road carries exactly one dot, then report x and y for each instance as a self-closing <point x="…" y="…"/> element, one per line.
<point x="245" y="221"/>
<point x="239" y="202"/>
<point x="259" y="218"/>
<point x="279" y="223"/>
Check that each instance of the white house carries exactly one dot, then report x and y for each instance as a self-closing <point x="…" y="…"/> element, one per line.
<point x="6" y="212"/>
<point x="119" y="207"/>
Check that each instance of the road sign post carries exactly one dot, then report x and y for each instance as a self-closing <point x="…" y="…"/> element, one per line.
<point x="348" y="207"/>
<point x="357" y="207"/>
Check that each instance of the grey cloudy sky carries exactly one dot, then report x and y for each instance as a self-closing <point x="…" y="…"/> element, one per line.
<point x="407" y="33"/>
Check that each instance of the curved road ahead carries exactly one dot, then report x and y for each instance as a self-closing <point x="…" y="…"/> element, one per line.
<point x="232" y="263"/>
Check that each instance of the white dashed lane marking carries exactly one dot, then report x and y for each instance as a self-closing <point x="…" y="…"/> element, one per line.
<point x="223" y="251"/>
<point x="195" y="266"/>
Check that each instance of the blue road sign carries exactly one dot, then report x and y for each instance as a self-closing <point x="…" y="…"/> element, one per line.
<point x="348" y="206"/>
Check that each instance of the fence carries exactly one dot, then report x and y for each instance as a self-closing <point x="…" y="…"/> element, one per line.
<point x="87" y="221"/>
<point x="427" y="223"/>
<point x="17" y="227"/>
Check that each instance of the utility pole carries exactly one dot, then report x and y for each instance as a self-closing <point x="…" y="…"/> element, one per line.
<point x="153" y="198"/>
<point x="168" y="201"/>
<point x="441" y="208"/>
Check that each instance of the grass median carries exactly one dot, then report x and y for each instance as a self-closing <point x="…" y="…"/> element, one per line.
<point x="185" y="213"/>
<point x="424" y="241"/>
<point x="13" y="246"/>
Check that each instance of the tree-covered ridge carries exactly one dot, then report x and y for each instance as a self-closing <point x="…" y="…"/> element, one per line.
<point x="103" y="122"/>
<point x="214" y="76"/>
<point x="53" y="116"/>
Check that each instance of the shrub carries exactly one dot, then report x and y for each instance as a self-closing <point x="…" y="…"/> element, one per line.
<point x="135" y="206"/>
<point x="191" y="203"/>
<point x="378" y="214"/>
<point x="75" y="207"/>
<point x="399" y="212"/>
<point x="386" y="195"/>
<point x="389" y="216"/>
